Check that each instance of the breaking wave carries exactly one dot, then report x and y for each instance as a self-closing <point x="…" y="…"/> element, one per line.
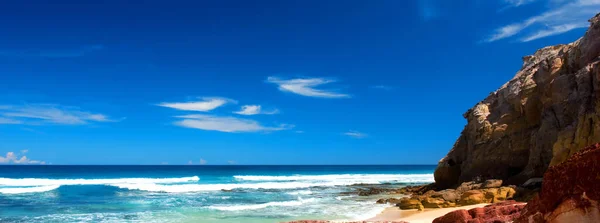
<point x="367" y="178"/>
<point x="21" y="190"/>
<point x="36" y="185"/>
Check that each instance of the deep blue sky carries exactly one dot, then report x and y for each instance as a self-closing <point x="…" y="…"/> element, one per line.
<point x="101" y="83"/>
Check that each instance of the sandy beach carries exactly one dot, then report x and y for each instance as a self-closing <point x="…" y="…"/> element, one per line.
<point x="415" y="216"/>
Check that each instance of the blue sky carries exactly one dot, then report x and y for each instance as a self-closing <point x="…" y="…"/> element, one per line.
<point x="259" y="82"/>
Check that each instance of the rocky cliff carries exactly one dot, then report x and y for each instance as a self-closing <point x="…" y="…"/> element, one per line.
<point x="544" y="114"/>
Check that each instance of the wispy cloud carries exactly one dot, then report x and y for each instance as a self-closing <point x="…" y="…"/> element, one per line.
<point x="8" y="121"/>
<point x="307" y="87"/>
<point x="226" y="124"/>
<point x="13" y="158"/>
<point x="554" y="30"/>
<point x="48" y="114"/>
<point x="203" y="161"/>
<point x="231" y="162"/>
<point x="52" y="53"/>
<point x="204" y="105"/>
<point x="355" y="134"/>
<point x="517" y="3"/>
<point x="255" y="110"/>
<point x="382" y="87"/>
<point x="561" y="17"/>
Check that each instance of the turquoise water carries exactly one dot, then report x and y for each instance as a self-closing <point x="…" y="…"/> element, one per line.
<point x="216" y="194"/>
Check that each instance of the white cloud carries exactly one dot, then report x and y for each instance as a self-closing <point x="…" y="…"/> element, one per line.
<point x="231" y="162"/>
<point x="383" y="87"/>
<point x="48" y="113"/>
<point x="225" y="124"/>
<point x="190" y="162"/>
<point x="355" y="134"/>
<point x="255" y="110"/>
<point x="561" y="17"/>
<point x="206" y="104"/>
<point x="554" y="30"/>
<point x="4" y="120"/>
<point x="306" y="87"/>
<point x="203" y="161"/>
<point x="164" y="163"/>
<point x="12" y="158"/>
<point x="517" y="3"/>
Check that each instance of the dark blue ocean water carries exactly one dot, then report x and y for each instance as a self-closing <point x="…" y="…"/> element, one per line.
<point x="194" y="193"/>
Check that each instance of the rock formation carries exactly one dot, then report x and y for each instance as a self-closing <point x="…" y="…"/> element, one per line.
<point x="320" y="221"/>
<point x="570" y="191"/>
<point x="544" y="114"/>
<point x="494" y="213"/>
<point x="467" y="193"/>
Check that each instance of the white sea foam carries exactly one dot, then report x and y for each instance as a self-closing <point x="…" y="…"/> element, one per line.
<point x="282" y="182"/>
<point x="50" y="182"/>
<point x="300" y="192"/>
<point x="261" y="206"/>
<point x="378" y="178"/>
<point x="21" y="190"/>
<point x="183" y="188"/>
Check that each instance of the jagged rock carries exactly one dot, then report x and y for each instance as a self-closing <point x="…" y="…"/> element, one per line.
<point x="431" y="202"/>
<point x="449" y="195"/>
<point x="410" y="203"/>
<point x="472" y="197"/>
<point x="467" y="186"/>
<point x="491" y="183"/>
<point x="546" y="112"/>
<point x="570" y="191"/>
<point x="388" y="201"/>
<point x="494" y="213"/>
<point x="494" y="195"/>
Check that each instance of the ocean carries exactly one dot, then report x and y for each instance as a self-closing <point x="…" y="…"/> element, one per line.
<point x="213" y="194"/>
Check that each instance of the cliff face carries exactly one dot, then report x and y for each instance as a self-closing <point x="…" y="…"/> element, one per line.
<point x="544" y="114"/>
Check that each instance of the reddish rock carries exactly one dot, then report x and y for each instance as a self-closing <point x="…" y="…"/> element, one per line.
<point x="458" y="216"/>
<point x="570" y="191"/>
<point x="319" y="221"/>
<point x="495" y="213"/>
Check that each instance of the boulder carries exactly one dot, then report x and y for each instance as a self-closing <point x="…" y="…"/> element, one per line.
<point x="410" y="203"/>
<point x="472" y="197"/>
<point x="430" y="202"/>
<point x="546" y="112"/>
<point x="494" y="195"/>
<point x="491" y="183"/>
<point x="450" y="195"/>
<point x="467" y="186"/>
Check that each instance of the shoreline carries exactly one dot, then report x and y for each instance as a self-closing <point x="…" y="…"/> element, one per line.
<point x="416" y="216"/>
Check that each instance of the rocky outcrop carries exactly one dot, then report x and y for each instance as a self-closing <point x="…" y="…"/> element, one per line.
<point x="467" y="193"/>
<point x="494" y="213"/>
<point x="544" y="114"/>
<point x="570" y="191"/>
